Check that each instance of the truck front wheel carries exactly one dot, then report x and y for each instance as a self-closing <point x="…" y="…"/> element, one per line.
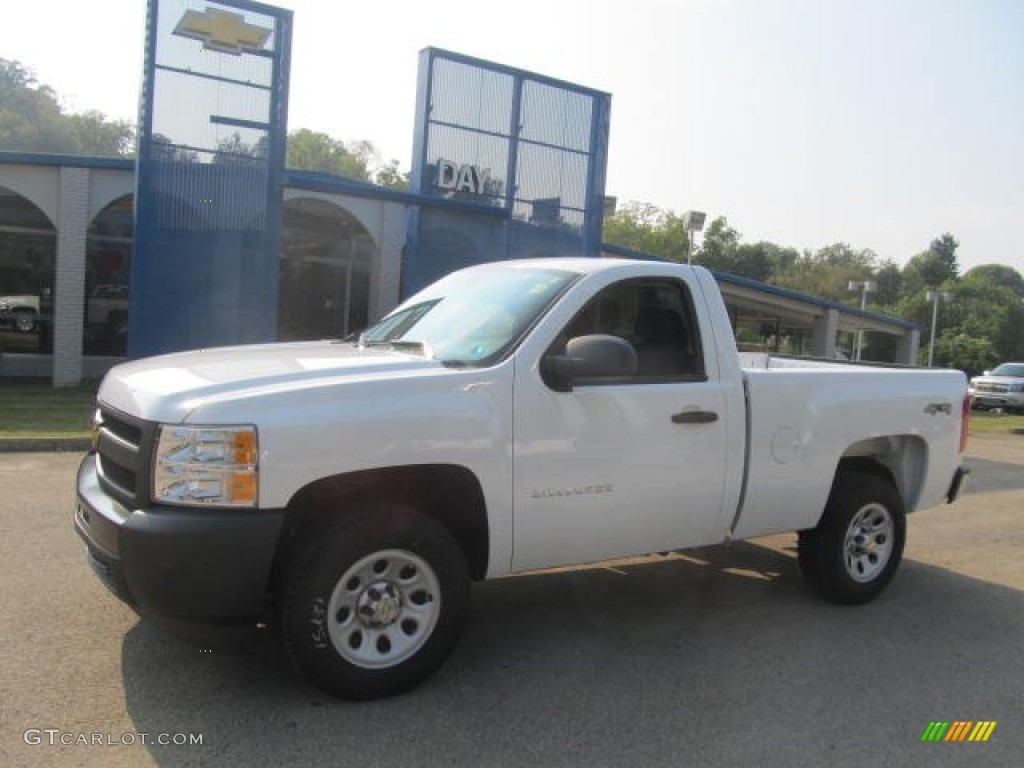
<point x="374" y="605"/>
<point x="855" y="550"/>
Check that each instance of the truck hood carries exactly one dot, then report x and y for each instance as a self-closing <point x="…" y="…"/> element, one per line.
<point x="170" y="387"/>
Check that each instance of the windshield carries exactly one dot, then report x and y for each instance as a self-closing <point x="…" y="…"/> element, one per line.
<point x="472" y="317"/>
<point x="1010" y="369"/>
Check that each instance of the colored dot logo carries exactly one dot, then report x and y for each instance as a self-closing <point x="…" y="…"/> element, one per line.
<point x="958" y="730"/>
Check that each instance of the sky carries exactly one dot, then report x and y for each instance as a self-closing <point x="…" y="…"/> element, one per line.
<point x="878" y="123"/>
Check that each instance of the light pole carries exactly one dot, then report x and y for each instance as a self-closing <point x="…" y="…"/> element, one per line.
<point x="933" y="297"/>
<point x="693" y="221"/>
<point x="865" y="287"/>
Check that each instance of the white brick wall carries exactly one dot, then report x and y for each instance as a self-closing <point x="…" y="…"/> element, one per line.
<point x="70" y="268"/>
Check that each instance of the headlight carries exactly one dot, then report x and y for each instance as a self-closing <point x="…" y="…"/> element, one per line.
<point x="196" y="466"/>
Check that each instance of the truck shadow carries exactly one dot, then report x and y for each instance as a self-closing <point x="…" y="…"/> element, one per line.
<point x="717" y="651"/>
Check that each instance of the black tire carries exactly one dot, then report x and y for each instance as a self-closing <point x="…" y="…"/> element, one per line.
<point x="24" y="322"/>
<point x="855" y="550"/>
<point x="373" y="605"/>
<point x="117" y="323"/>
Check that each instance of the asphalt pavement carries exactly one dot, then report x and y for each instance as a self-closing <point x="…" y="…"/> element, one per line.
<point x="713" y="657"/>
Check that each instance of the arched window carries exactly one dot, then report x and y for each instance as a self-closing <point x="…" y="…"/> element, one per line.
<point x="108" y="255"/>
<point x="28" y="248"/>
<point x="326" y="260"/>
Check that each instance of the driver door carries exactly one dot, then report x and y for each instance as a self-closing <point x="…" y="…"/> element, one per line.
<point x="623" y="466"/>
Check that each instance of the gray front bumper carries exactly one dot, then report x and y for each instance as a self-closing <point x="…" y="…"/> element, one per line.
<point x="201" y="565"/>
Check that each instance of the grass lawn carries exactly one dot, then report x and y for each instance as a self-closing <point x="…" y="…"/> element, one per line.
<point x="986" y="422"/>
<point x="36" y="409"/>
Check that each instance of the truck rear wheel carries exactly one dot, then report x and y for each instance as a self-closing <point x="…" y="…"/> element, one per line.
<point x="858" y="544"/>
<point x="373" y="606"/>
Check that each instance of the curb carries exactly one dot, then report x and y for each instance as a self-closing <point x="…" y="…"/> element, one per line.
<point x="44" y="444"/>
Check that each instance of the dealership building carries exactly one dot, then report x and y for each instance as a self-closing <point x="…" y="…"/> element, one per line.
<point x="66" y="234"/>
<point x="207" y="239"/>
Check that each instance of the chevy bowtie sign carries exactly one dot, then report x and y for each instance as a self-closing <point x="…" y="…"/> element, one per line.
<point x="222" y="31"/>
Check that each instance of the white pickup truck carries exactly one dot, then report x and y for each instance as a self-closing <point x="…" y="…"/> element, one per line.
<point x="511" y="417"/>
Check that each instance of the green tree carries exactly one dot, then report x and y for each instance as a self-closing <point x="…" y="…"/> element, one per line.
<point x="987" y="308"/>
<point x="645" y="227"/>
<point x="944" y="247"/>
<point x="998" y="274"/>
<point x="982" y="309"/>
<point x="982" y="324"/>
<point x="162" y="149"/>
<point x="970" y="354"/>
<point x="391" y="177"/>
<point x="31" y="120"/>
<point x="828" y="271"/>
<point x="29" y="111"/>
<point x="718" y="249"/>
<point x="889" y="279"/>
<point x="934" y="267"/>
<point x="762" y="261"/>
<point x="314" y="151"/>
<point x="93" y="134"/>
<point x="234" y="151"/>
<point x="917" y="308"/>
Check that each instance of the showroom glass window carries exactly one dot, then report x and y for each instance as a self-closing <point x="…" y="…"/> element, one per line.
<point x="108" y="253"/>
<point x="325" y="272"/>
<point x="28" y="247"/>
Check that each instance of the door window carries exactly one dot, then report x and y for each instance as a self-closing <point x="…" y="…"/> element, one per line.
<point x="656" y="317"/>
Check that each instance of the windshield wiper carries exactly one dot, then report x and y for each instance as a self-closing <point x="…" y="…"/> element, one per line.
<point x="400" y="345"/>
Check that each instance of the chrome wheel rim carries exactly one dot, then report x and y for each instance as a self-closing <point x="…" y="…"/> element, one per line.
<point x="869" y="543"/>
<point x="384" y="609"/>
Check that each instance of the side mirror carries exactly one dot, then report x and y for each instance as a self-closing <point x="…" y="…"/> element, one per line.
<point x="597" y="356"/>
<point x="986" y="373"/>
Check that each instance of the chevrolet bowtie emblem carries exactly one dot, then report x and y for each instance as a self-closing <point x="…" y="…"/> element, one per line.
<point x="222" y="31"/>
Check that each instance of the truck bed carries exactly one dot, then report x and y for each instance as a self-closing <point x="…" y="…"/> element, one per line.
<point x="805" y="416"/>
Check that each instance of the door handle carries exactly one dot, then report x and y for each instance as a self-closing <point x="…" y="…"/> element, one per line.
<point x="694" y="417"/>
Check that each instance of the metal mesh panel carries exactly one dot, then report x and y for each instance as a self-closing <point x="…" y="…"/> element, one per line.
<point x="546" y="172"/>
<point x="556" y="116"/>
<point x="186" y="196"/>
<point x="472" y="97"/>
<point x="182" y="94"/>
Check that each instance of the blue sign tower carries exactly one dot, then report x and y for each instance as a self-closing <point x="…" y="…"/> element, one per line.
<point x="512" y="163"/>
<point x="212" y="130"/>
